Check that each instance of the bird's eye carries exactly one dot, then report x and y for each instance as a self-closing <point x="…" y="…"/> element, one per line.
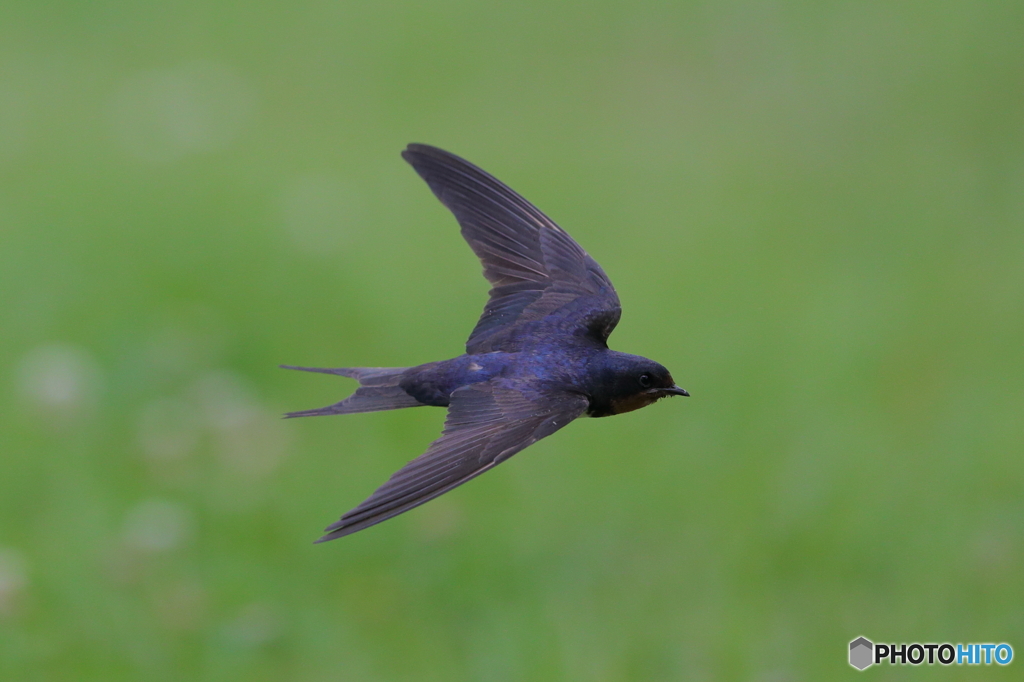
<point x="645" y="380"/>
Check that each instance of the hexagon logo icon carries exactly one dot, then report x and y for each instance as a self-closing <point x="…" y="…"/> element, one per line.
<point x="860" y="653"/>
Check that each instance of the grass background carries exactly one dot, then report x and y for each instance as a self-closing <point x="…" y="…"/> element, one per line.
<point x="813" y="215"/>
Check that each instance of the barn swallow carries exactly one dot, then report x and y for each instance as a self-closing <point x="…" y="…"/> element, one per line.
<point x="537" y="359"/>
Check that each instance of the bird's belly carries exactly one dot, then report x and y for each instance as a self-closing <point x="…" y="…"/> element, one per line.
<point x="434" y="383"/>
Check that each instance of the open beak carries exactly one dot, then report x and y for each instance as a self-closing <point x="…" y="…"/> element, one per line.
<point x="675" y="390"/>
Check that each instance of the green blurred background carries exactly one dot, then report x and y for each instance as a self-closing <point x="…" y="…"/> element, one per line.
<point x="813" y="215"/>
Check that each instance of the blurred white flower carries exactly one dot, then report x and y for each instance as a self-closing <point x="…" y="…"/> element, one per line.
<point x="59" y="377"/>
<point x="255" y="626"/>
<point x="226" y="400"/>
<point x="157" y="526"/>
<point x="165" y="114"/>
<point x="13" y="578"/>
<point x="249" y="439"/>
<point x="181" y="606"/>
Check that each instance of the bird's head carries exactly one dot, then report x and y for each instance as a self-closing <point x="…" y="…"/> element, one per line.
<point x="629" y="382"/>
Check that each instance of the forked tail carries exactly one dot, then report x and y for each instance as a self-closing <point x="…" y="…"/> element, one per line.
<point x="378" y="390"/>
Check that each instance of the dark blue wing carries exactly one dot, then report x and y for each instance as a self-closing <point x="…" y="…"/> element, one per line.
<point x="487" y="423"/>
<point x="534" y="266"/>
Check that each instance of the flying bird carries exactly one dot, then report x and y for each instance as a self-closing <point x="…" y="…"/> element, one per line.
<point x="537" y="359"/>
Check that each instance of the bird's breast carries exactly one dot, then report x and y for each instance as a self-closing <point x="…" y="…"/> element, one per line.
<point x="620" y="405"/>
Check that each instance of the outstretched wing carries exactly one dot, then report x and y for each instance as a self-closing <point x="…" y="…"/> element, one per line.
<point x="534" y="266"/>
<point x="487" y="423"/>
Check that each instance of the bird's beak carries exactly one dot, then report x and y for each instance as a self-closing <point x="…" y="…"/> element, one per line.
<point x="675" y="390"/>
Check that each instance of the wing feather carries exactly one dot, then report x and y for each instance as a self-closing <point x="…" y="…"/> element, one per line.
<point x="534" y="266"/>
<point x="487" y="423"/>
